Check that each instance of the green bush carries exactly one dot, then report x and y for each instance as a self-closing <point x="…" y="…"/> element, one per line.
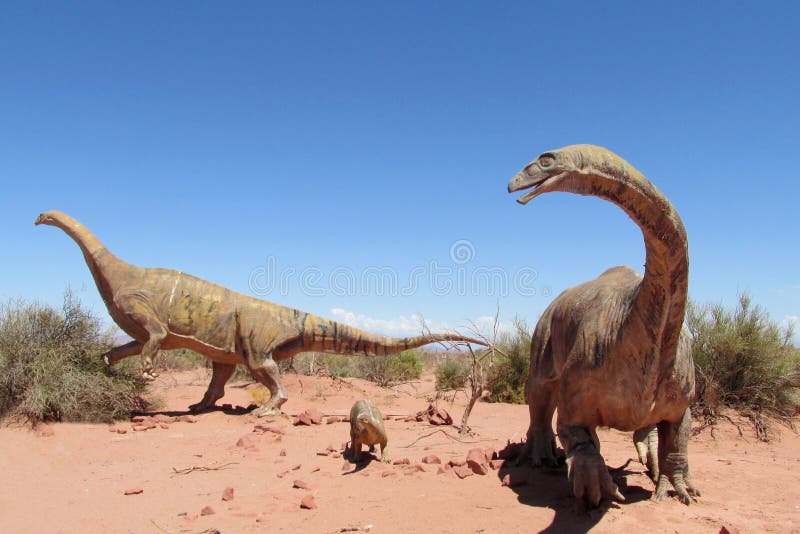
<point x="387" y="370"/>
<point x="451" y="374"/>
<point x="510" y="371"/>
<point x="51" y="369"/>
<point x="743" y="360"/>
<point x="339" y="365"/>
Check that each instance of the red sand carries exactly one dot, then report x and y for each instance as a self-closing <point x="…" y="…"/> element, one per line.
<point x="74" y="477"/>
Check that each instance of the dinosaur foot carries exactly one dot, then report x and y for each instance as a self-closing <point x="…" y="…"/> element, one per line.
<point x="589" y="476"/>
<point x="541" y="451"/>
<point x="264" y="411"/>
<point x="677" y="476"/>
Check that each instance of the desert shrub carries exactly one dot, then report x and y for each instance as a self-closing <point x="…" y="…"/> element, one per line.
<point x="50" y="366"/>
<point x="340" y="365"/>
<point x="451" y="374"/>
<point x="510" y="370"/>
<point x="387" y="370"/>
<point x="743" y="360"/>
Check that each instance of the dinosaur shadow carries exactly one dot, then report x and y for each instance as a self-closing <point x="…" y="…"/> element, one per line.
<point x="225" y="408"/>
<point x="549" y="488"/>
<point x="366" y="459"/>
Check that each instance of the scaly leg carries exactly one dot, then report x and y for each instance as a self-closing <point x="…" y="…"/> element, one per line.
<point x="270" y="376"/>
<point x="137" y="308"/>
<point x="220" y="374"/>
<point x="673" y="459"/>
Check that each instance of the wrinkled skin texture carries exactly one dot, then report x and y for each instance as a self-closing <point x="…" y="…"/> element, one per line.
<point x="366" y="428"/>
<point x="167" y="309"/>
<point x="613" y="352"/>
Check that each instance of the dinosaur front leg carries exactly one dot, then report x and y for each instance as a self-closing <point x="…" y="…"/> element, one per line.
<point x="123" y="351"/>
<point x="586" y="468"/>
<point x="220" y="374"/>
<point x="540" y="446"/>
<point x="673" y="459"/>
<point x="270" y="376"/>
<point x="138" y="309"/>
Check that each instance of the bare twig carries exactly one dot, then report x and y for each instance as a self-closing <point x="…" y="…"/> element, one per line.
<point x="434" y="432"/>
<point x="192" y="469"/>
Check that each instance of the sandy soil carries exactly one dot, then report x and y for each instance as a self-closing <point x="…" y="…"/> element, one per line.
<point x="73" y="477"/>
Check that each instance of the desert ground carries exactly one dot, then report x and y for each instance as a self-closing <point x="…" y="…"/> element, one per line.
<point x="176" y="469"/>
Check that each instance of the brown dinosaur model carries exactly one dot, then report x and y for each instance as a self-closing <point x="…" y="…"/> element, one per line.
<point x="612" y="352"/>
<point x="167" y="309"/>
<point x="366" y="428"/>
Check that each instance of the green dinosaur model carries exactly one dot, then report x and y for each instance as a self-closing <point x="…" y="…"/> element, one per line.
<point x="167" y="309"/>
<point x="612" y="352"/>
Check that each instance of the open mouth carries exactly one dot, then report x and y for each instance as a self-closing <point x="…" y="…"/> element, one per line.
<point x="540" y="186"/>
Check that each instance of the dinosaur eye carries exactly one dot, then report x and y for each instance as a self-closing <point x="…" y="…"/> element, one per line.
<point x="546" y="161"/>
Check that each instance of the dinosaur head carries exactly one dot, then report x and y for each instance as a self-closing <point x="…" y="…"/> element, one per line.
<point x="566" y="169"/>
<point x="48" y="217"/>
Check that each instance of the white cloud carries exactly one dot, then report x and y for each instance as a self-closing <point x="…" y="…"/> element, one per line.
<point x="412" y="325"/>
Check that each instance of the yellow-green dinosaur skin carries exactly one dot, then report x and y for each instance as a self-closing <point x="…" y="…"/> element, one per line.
<point x="168" y="309"/>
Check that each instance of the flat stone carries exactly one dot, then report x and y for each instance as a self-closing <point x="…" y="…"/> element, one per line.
<point x="207" y="510"/>
<point x="476" y="460"/>
<point x="431" y="459"/>
<point x="227" y="494"/>
<point x="134" y="491"/>
<point x="462" y="471"/>
<point x="299" y="484"/>
<point x="308" y="502"/>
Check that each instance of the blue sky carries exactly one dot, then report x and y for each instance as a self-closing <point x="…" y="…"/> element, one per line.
<point x="328" y="140"/>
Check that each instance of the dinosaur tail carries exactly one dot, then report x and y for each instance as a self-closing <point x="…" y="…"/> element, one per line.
<point x="332" y="337"/>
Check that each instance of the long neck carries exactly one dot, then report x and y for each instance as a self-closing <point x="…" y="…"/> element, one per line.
<point x="660" y="302"/>
<point x="101" y="262"/>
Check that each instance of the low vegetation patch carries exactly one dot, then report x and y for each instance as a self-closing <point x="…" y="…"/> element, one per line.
<point x="745" y="361"/>
<point x="51" y="369"/>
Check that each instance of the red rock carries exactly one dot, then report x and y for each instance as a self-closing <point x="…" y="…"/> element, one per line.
<point x="299" y="484"/>
<point x="332" y="420"/>
<point x="315" y="469"/>
<point x="411" y="469"/>
<point x="265" y="428"/>
<point x="496" y="464"/>
<point x="227" y="494"/>
<point x="462" y="471"/>
<point x="388" y="473"/>
<point x="207" y="510"/>
<point x="303" y="419"/>
<point x="163" y="425"/>
<point x="409" y="419"/>
<point x="315" y="415"/>
<point x="186" y="419"/>
<point x="137" y="419"/>
<point x="476" y="460"/>
<point x="323" y="453"/>
<point x="112" y="429"/>
<point x="282" y="453"/>
<point x="431" y="459"/>
<point x="456" y="462"/>
<point x="134" y="491"/>
<point x="282" y="474"/>
<point x="336" y="455"/>
<point x="308" y="502"/>
<point x="121" y="431"/>
<point x="296" y="467"/>
<point x="246" y="442"/>
<point x="401" y="461"/>
<point x="140" y="428"/>
<point x="346" y="419"/>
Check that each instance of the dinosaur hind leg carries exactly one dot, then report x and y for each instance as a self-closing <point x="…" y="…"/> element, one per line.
<point x="123" y="351"/>
<point x="270" y="376"/>
<point x="220" y="374"/>
<point x="540" y="446"/>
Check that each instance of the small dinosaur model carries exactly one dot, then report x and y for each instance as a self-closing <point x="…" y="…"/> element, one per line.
<point x="612" y="352"/>
<point x="167" y="309"/>
<point x="366" y="428"/>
